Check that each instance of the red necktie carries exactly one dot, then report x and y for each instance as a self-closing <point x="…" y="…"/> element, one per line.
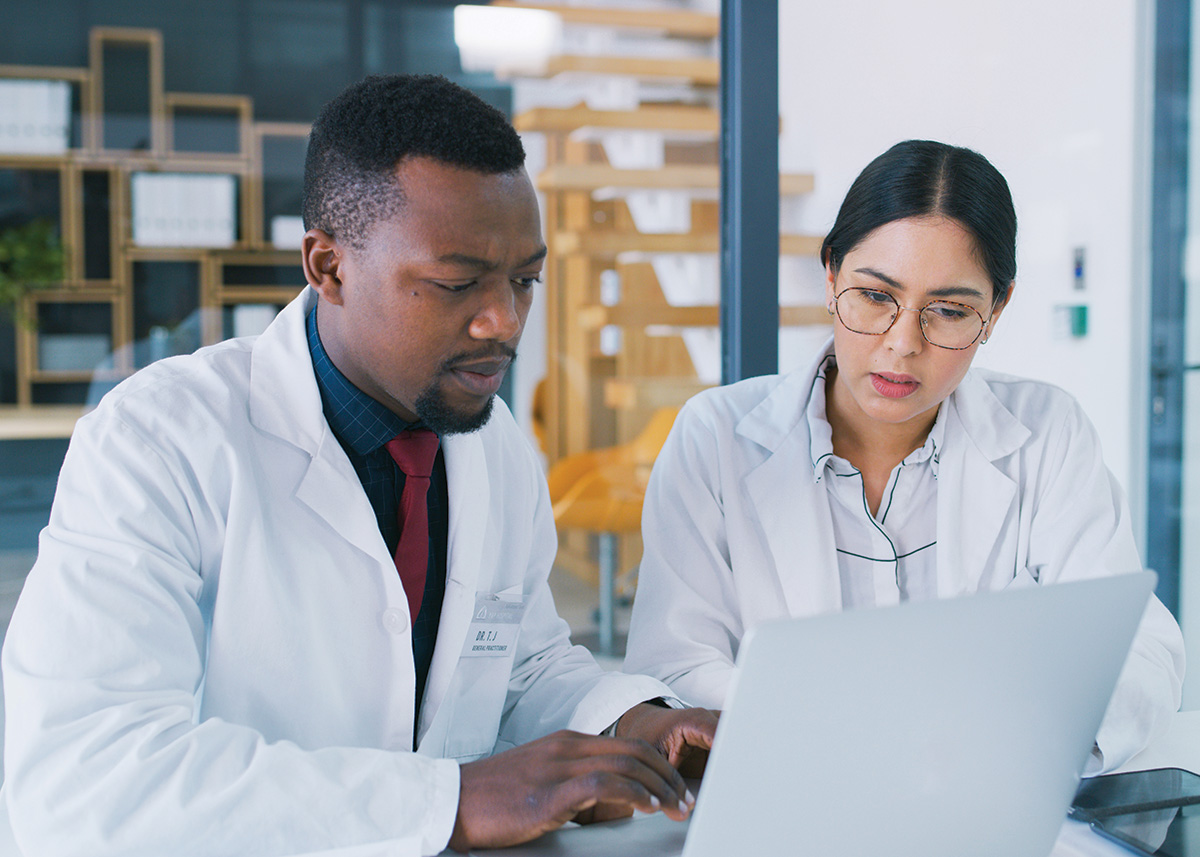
<point x="414" y="452"/>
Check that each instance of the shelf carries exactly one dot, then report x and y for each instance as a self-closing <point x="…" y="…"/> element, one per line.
<point x="593" y="177"/>
<point x="612" y="243"/>
<point x="708" y="315"/>
<point x="650" y="393"/>
<point x="38" y="422"/>
<point x="673" y="22"/>
<point x="667" y="118"/>
<point x="697" y="71"/>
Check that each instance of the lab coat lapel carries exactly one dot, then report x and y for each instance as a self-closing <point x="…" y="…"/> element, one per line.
<point x="468" y="486"/>
<point x="790" y="510"/>
<point x="975" y="496"/>
<point x="286" y="402"/>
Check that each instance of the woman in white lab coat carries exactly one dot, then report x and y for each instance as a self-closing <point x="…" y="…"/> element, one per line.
<point x="889" y="470"/>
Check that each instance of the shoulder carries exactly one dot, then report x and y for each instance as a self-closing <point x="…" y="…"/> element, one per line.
<point x="1003" y="413"/>
<point x="188" y="392"/>
<point x="723" y="408"/>
<point x="1026" y="398"/>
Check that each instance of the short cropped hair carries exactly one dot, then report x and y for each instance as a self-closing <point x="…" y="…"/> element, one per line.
<point x="920" y="178"/>
<point x="361" y="136"/>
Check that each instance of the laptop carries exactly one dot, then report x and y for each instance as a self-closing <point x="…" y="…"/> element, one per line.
<point x="936" y="729"/>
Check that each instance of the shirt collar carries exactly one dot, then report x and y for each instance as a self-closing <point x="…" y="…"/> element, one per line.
<point x="358" y="420"/>
<point x="821" y="433"/>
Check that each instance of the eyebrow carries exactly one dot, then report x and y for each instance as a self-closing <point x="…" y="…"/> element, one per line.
<point x="487" y="265"/>
<point x="940" y="292"/>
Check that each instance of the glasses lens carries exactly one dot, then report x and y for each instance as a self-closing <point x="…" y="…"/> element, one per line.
<point x="866" y="310"/>
<point x="951" y="325"/>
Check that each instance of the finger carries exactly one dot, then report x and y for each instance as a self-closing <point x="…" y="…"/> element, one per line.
<point x="657" y="776"/>
<point x="610" y="789"/>
<point x="604" y="812"/>
<point x="654" y="759"/>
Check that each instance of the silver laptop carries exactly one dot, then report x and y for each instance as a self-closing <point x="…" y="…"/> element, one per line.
<point x="936" y="729"/>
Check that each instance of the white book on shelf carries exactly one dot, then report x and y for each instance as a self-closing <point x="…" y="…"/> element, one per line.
<point x="35" y="116"/>
<point x="184" y="209"/>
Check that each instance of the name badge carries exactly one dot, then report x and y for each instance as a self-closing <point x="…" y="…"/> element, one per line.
<point x="494" y="627"/>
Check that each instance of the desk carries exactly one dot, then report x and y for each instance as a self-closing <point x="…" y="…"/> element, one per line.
<point x="658" y="836"/>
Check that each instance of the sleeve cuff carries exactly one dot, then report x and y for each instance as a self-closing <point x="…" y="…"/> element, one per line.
<point x="443" y="807"/>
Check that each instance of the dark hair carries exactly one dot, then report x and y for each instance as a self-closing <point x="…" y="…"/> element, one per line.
<point x="919" y="178"/>
<point x="362" y="135"/>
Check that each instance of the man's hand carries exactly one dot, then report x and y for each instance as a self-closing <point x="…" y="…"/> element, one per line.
<point x="522" y="793"/>
<point x="683" y="735"/>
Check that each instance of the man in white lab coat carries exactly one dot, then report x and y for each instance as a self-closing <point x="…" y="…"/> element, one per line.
<point x="214" y="653"/>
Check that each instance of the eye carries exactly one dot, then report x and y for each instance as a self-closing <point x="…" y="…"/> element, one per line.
<point x="527" y="283"/>
<point x="455" y="287"/>
<point x="875" y="297"/>
<point x="949" y="311"/>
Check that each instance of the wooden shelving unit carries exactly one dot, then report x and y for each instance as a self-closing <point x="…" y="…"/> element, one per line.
<point x="593" y="397"/>
<point x="698" y="72"/>
<point x="123" y="124"/>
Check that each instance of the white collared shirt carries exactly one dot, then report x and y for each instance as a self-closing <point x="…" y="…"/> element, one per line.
<point x="887" y="557"/>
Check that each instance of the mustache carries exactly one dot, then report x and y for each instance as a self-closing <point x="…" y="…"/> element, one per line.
<point x="496" y="352"/>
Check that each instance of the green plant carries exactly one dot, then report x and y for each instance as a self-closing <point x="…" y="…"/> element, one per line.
<point x="31" y="258"/>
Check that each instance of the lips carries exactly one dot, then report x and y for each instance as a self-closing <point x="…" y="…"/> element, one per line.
<point x="481" y="378"/>
<point x="894" y="386"/>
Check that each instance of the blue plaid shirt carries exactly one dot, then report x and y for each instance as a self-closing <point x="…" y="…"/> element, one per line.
<point x="363" y="426"/>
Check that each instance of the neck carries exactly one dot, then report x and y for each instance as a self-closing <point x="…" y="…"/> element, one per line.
<point x="865" y="442"/>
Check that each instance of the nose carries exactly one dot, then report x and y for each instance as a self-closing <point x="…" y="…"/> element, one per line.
<point x="904" y="336"/>
<point x="499" y="317"/>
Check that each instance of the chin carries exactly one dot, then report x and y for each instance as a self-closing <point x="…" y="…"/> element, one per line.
<point x="436" y="413"/>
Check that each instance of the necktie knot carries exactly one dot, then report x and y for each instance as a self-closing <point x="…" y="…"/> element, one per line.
<point x="414" y="451"/>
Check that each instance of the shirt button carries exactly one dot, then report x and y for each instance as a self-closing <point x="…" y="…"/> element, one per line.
<point x="395" y="621"/>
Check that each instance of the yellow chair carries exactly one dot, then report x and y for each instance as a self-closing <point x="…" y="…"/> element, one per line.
<point x="602" y="491"/>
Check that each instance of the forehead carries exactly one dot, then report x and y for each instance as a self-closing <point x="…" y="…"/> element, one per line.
<point x="448" y="207"/>
<point x="921" y="252"/>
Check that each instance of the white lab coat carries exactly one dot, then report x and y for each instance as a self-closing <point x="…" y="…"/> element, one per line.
<point x="213" y="656"/>
<point x="738" y="531"/>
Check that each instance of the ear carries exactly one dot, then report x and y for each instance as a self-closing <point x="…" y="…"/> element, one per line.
<point x="322" y="257"/>
<point x="830" y="286"/>
<point x="990" y="326"/>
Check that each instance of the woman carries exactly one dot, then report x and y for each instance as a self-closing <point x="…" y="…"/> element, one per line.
<point x="888" y="471"/>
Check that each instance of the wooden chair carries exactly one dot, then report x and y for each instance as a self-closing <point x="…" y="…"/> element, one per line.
<point x="602" y="491"/>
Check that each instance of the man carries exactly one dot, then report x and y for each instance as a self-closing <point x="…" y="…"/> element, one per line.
<point x="231" y="643"/>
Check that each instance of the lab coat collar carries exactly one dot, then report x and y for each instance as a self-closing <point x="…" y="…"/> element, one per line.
<point x="975" y="495"/>
<point x="286" y="403"/>
<point x="776" y="419"/>
<point x="794" y="517"/>
<point x="284" y="399"/>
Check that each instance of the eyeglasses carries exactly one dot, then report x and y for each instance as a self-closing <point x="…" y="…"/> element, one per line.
<point x="945" y="324"/>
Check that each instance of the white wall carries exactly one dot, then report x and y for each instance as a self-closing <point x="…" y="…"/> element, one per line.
<point x="1051" y="91"/>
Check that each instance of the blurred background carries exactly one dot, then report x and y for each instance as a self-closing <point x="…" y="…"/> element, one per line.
<point x="151" y="154"/>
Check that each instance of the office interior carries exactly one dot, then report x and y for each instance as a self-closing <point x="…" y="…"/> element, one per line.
<point x="1085" y="108"/>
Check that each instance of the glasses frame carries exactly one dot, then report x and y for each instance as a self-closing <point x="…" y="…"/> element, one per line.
<point x="983" y="322"/>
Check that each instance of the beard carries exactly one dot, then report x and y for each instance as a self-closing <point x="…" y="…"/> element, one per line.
<point x="436" y="415"/>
